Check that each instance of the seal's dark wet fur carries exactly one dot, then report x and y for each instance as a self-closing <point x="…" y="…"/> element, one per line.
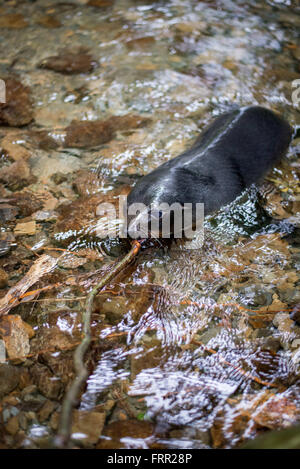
<point x="232" y="153"/>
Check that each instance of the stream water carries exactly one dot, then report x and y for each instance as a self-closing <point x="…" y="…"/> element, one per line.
<point x="190" y="348"/>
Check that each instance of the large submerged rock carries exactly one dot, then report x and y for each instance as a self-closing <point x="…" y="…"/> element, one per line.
<point x="69" y="62"/>
<point x="17" y="110"/>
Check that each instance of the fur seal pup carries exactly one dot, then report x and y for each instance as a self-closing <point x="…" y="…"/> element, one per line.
<point x="233" y="152"/>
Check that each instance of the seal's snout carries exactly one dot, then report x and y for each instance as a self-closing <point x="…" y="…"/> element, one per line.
<point x="150" y="222"/>
<point x="138" y="224"/>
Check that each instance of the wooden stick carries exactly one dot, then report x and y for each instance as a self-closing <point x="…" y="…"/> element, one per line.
<point x="64" y="431"/>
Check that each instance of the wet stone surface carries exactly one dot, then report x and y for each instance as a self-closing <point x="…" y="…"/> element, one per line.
<point x="70" y="62"/>
<point x="17" y="110"/>
<point x="191" y="348"/>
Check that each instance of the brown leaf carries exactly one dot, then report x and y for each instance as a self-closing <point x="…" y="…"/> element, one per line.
<point x="42" y="266"/>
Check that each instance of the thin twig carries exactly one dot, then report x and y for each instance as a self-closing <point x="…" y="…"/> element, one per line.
<point x="64" y="430"/>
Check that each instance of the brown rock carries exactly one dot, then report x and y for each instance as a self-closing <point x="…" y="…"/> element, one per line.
<point x="5" y="246"/>
<point x="7" y="212"/>
<point x="9" y="378"/>
<point x="71" y="262"/>
<point x="283" y="322"/>
<point x="141" y="43"/>
<point x="85" y="134"/>
<point x="54" y="421"/>
<point x="45" y="215"/>
<point x="13" y="21"/>
<point x="86" y="182"/>
<point x="278" y="412"/>
<point x="70" y="62"/>
<point x="237" y="427"/>
<point x="49" y="21"/>
<point x="288" y="18"/>
<point x="232" y="66"/>
<point x="188" y="27"/>
<point x="283" y="74"/>
<point x="124" y="429"/>
<point x="88" y="424"/>
<point x="295" y="313"/>
<point x="43" y="140"/>
<point x="14" y="150"/>
<point x="113" y="308"/>
<point x="16" y="334"/>
<point x="16" y="176"/>
<point x="52" y="339"/>
<point x="3" y="279"/>
<point x="150" y="359"/>
<point x="146" y="65"/>
<point x="29" y="329"/>
<point x="59" y="178"/>
<point x="100" y="3"/>
<point x="296" y="53"/>
<point x="23" y="422"/>
<point x="25" y="379"/>
<point x="30" y="389"/>
<point x="50" y="203"/>
<point x="11" y="400"/>
<point x="47" y="409"/>
<point x="128" y="121"/>
<point x="27" y="202"/>
<point x="82" y="211"/>
<point x="12" y="425"/>
<point x="17" y="110"/>
<point x="27" y="228"/>
<point x="48" y="384"/>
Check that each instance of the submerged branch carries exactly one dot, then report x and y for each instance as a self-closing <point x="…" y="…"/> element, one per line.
<point x="64" y="430"/>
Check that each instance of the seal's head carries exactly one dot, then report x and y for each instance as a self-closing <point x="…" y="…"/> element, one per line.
<point x="162" y="204"/>
<point x="147" y="205"/>
<point x="235" y="151"/>
<point x="149" y="221"/>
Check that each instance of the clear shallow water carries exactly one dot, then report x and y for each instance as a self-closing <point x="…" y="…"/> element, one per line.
<point x="191" y="348"/>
